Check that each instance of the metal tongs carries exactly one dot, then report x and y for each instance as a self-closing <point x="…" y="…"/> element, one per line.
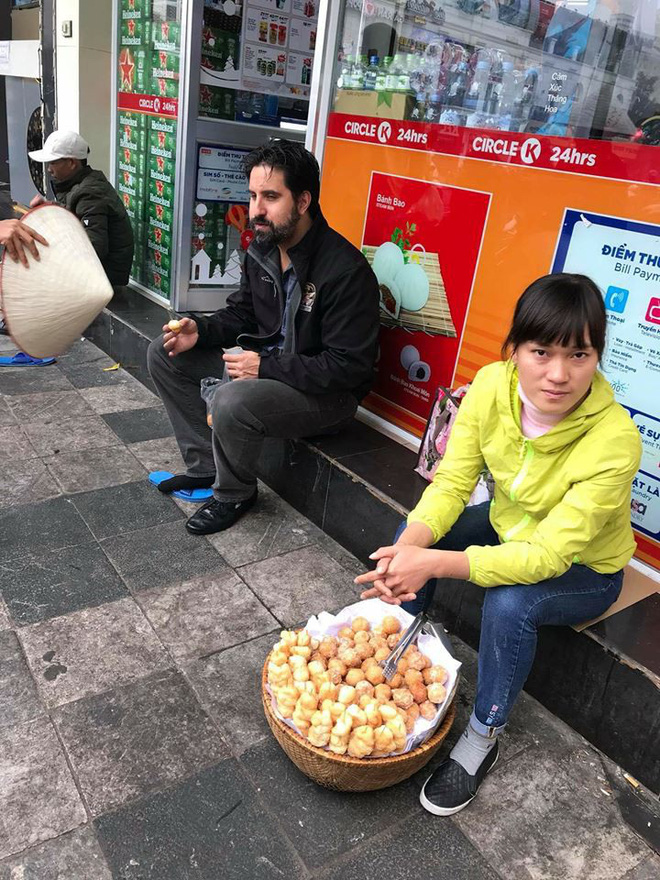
<point x="391" y="662"/>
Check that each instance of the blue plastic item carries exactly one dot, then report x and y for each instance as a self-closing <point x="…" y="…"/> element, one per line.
<point x="157" y="477"/>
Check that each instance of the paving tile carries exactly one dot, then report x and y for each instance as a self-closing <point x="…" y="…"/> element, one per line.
<point x="136" y="739"/>
<point x="56" y="582"/>
<point x="340" y="554"/>
<point x="94" y="468"/>
<point x="70" y="435"/>
<point x="48" y="406"/>
<point x="7" y="344"/>
<point x="208" y="828"/>
<point x="82" y="352"/>
<point x="19" y="701"/>
<point x="92" y="374"/>
<point x="122" y="397"/>
<point x="138" y="425"/>
<point x="228" y="685"/>
<point x="300" y="583"/>
<point x="423" y="848"/>
<point x="545" y="802"/>
<point x="125" y="508"/>
<point x="29" y="380"/>
<point x="26" y="482"/>
<point x="648" y="869"/>
<point x="162" y="556"/>
<point x="205" y="615"/>
<point x="5" y="622"/>
<point x="323" y="823"/>
<point x="159" y="455"/>
<point x="272" y="527"/>
<point x="46" y="525"/>
<point x="73" y="856"/>
<point x="38" y="799"/>
<point x="91" y="651"/>
<point x="6" y="415"/>
<point x="15" y="446"/>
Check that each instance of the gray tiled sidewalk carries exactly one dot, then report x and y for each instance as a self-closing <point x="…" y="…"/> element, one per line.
<point x="132" y="740"/>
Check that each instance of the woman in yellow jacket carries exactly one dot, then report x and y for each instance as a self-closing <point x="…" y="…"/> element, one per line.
<point x="551" y="545"/>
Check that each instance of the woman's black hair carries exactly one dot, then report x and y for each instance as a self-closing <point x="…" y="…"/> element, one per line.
<point x="300" y="168"/>
<point x="559" y="309"/>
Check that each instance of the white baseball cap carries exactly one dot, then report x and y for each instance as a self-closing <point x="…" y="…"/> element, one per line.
<point x="61" y="145"/>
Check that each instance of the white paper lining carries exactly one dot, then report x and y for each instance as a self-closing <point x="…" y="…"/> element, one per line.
<point x="374" y="611"/>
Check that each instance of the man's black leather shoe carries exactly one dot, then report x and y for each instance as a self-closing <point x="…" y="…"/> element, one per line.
<point x="216" y="516"/>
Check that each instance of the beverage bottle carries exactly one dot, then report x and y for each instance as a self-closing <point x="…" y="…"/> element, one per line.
<point x="403" y="78"/>
<point x="357" y="73"/>
<point x="507" y="97"/>
<point x="527" y="94"/>
<point x="433" y="108"/>
<point x="477" y="95"/>
<point x="457" y="85"/>
<point x="381" y="75"/>
<point x="371" y="74"/>
<point x="391" y="76"/>
<point x="344" y="81"/>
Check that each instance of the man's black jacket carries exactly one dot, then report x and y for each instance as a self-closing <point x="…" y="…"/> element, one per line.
<point x="91" y="197"/>
<point x="336" y="314"/>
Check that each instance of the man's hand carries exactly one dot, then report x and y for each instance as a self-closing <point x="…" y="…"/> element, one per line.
<point x="184" y="339"/>
<point x="37" y="200"/>
<point x="16" y="237"/>
<point x="244" y="365"/>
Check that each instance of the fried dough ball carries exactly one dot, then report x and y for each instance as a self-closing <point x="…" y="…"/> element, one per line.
<point x="364" y="701"/>
<point x="393" y="639"/>
<point x="350" y="657"/>
<point x="360" y="624"/>
<point x="317" y="673"/>
<point x="317" y="657"/>
<point x="402" y="697"/>
<point x="345" y="632"/>
<point x="354" y="677"/>
<point x="419" y="692"/>
<point x="304" y="639"/>
<point x="279" y="676"/>
<point x="346" y="694"/>
<point x="364" y="688"/>
<point x="412" y="715"/>
<point x="364" y="650"/>
<point x="428" y="710"/>
<point x="390" y="624"/>
<point x="328" y="647"/>
<point x="361" y="635"/>
<point x="435" y="674"/>
<point x="328" y="691"/>
<point x="383" y="693"/>
<point x="288" y="637"/>
<point x="437" y="693"/>
<point x="413" y="676"/>
<point x="339" y="735"/>
<point x="388" y="711"/>
<point x="381" y="654"/>
<point x="302" y="714"/>
<point x="361" y="742"/>
<point x="320" y="728"/>
<point x="174" y="326"/>
<point x="397" y="681"/>
<point x="358" y="716"/>
<point x="383" y="741"/>
<point x="286" y="699"/>
<point x="336" y="710"/>
<point x="398" y="727"/>
<point x="337" y="669"/>
<point x="374" y="674"/>
<point x="402" y="665"/>
<point x="372" y="711"/>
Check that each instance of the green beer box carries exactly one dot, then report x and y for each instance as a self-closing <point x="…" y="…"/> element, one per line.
<point x="166" y="35"/>
<point x="135" y="210"/>
<point x="133" y="184"/>
<point x="165" y="64"/>
<point x="159" y="258"/>
<point x="162" y="123"/>
<point x="161" y="193"/>
<point x="217" y="47"/>
<point x="131" y="131"/>
<point x="164" y="88"/>
<point x="133" y="69"/>
<point x="216" y="103"/>
<point x="161" y="169"/>
<point x="159" y="239"/>
<point x="162" y="143"/>
<point x="134" y="32"/>
<point x="135" y="9"/>
<point x="130" y="160"/>
<point x="160" y="217"/>
<point x="156" y="280"/>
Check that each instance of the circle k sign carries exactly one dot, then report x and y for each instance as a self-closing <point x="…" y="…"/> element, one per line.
<point x="530" y="151"/>
<point x="384" y="132"/>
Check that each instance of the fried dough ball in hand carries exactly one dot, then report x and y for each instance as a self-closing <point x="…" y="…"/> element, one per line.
<point x="383" y="741"/>
<point x="437" y="693"/>
<point x="383" y="693"/>
<point x="360" y="624"/>
<point x="419" y="692"/>
<point x="390" y="624"/>
<point x="354" y="677"/>
<point x="361" y="742"/>
<point x="428" y="710"/>
<point x="402" y="697"/>
<point x="435" y="674"/>
<point x="320" y="728"/>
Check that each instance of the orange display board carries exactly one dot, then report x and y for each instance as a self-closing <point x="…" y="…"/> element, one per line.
<point x="506" y="195"/>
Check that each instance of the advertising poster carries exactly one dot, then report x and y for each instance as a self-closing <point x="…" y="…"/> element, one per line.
<point x="623" y="258"/>
<point x="422" y="242"/>
<point x="510" y="191"/>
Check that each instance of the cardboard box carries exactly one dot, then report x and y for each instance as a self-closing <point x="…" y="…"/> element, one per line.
<point x="381" y="105"/>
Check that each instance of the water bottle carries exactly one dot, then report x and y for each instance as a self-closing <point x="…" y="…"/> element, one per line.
<point x="381" y="74"/>
<point x="478" y="93"/>
<point x="391" y="75"/>
<point x="344" y="81"/>
<point x="371" y="74"/>
<point x="357" y="73"/>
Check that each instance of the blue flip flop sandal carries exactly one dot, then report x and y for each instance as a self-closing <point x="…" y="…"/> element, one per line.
<point x="157" y="477"/>
<point x="20" y="359"/>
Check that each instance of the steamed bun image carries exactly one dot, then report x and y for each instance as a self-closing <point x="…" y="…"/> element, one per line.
<point x="402" y="285"/>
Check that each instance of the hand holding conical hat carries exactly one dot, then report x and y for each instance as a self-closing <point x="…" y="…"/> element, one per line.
<point x="49" y="304"/>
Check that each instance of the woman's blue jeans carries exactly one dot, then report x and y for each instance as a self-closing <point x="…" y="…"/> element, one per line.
<point x="512" y="615"/>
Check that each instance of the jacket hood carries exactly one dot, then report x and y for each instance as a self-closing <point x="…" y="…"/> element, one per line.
<point x="591" y="411"/>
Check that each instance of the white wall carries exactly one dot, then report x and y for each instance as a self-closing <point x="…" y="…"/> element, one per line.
<point x="25" y="24"/>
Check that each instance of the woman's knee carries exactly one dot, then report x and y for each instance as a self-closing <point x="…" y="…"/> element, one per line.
<point x="507" y="603"/>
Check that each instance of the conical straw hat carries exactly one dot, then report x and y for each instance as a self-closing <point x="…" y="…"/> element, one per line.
<point x="48" y="305"/>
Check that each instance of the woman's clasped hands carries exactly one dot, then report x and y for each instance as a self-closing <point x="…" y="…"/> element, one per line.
<point x="401" y="571"/>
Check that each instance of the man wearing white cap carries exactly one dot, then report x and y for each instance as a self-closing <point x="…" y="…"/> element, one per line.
<point x="91" y="197"/>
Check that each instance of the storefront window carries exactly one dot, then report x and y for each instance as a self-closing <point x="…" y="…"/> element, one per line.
<point x="575" y="69"/>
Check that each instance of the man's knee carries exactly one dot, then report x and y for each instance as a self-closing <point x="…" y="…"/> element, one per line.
<point x="235" y="405"/>
<point x="157" y="358"/>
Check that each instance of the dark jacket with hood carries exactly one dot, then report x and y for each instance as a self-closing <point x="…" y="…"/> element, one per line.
<point x="332" y="320"/>
<point x="91" y="197"/>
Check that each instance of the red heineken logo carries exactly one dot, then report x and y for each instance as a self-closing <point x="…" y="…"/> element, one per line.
<point x="157" y="279"/>
<point x="159" y="187"/>
<point x="127" y="132"/>
<point x="131" y="4"/>
<point x="158" y="233"/>
<point x="127" y="154"/>
<point x="161" y="138"/>
<point x="165" y="30"/>
<point x="126" y="69"/>
<point x="207" y="37"/>
<point x="160" y="162"/>
<point x="162" y="86"/>
<point x="127" y="199"/>
<point x="158" y="257"/>
<point x="131" y="27"/>
<point x="162" y="57"/>
<point x="205" y="94"/>
<point x="127" y="178"/>
<point x="159" y="215"/>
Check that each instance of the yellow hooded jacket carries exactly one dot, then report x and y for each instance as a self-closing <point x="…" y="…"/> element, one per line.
<point x="560" y="498"/>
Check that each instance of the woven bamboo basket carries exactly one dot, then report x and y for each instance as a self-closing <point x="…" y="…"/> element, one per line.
<point x="343" y="773"/>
